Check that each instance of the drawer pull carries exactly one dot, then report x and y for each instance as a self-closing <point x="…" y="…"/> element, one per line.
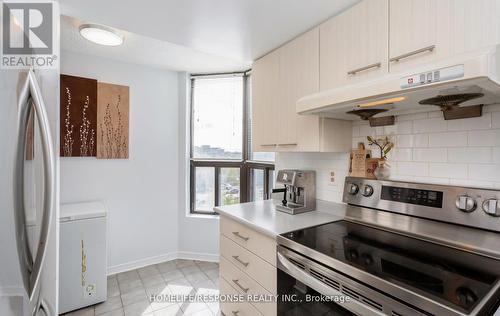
<point x="237" y="258"/>
<point x="355" y="71"/>
<point x="268" y="145"/>
<point x="237" y="234"/>
<point x="235" y="313"/>
<point x="288" y="144"/>
<point x="415" y="52"/>
<point x="237" y="282"/>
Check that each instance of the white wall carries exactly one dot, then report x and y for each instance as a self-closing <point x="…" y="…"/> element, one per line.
<point x="141" y="192"/>
<point x="463" y="152"/>
<point x="198" y="234"/>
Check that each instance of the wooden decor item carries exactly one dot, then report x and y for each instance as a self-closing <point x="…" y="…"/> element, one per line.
<point x="112" y="121"/>
<point x="361" y="163"/>
<point x="358" y="161"/>
<point x="78" y="125"/>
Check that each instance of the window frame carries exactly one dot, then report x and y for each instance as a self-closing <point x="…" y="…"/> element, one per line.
<point x="245" y="164"/>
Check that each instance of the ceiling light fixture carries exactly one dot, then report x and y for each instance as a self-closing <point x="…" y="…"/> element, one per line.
<point x="100" y="34"/>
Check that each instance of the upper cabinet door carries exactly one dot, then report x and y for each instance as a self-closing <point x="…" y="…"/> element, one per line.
<point x="265" y="102"/>
<point x="423" y="31"/>
<point x="413" y="29"/>
<point x="299" y="74"/>
<point x="354" y="44"/>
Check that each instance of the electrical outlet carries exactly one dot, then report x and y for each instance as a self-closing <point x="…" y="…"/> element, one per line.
<point x="90" y="290"/>
<point x="331" y="178"/>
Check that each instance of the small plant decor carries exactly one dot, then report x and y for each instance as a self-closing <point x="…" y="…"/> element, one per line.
<point x="383" y="170"/>
<point x="384" y="145"/>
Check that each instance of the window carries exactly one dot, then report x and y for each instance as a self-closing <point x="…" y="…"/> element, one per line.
<point x="223" y="169"/>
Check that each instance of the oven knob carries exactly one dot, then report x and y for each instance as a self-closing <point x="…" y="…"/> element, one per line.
<point x="353" y="254"/>
<point x="367" y="259"/>
<point x="367" y="190"/>
<point x="492" y="207"/>
<point x="465" y="203"/>
<point x="353" y="189"/>
<point x="465" y="296"/>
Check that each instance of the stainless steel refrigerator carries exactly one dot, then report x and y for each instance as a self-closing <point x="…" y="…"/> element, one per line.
<point x="29" y="186"/>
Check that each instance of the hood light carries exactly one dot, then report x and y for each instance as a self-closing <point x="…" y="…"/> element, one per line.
<point x="381" y="102"/>
<point x="100" y="34"/>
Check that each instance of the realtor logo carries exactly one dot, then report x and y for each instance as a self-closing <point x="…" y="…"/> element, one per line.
<point x="28" y="34"/>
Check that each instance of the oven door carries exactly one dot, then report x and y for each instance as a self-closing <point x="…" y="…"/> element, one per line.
<point x="306" y="287"/>
<point x="303" y="293"/>
<point x="297" y="298"/>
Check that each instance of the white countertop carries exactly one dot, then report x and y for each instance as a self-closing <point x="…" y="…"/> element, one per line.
<point x="263" y="216"/>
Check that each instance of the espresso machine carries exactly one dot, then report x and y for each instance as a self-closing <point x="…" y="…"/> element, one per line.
<point x="299" y="191"/>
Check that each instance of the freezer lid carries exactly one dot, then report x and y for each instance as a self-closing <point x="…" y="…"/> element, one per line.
<point x="77" y="211"/>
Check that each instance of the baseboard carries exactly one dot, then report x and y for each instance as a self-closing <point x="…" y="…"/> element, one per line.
<point x="124" y="267"/>
<point x="198" y="256"/>
<point x="132" y="265"/>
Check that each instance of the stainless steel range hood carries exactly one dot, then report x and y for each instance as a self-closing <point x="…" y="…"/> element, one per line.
<point x="473" y="74"/>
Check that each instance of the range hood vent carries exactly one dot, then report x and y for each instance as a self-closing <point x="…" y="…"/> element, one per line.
<point x="445" y="102"/>
<point x="459" y="86"/>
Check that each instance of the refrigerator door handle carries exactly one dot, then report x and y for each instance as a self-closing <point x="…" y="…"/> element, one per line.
<point x="30" y="97"/>
<point x="43" y="307"/>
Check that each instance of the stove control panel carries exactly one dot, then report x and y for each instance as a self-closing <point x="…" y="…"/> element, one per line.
<point x="422" y="197"/>
<point x="474" y="207"/>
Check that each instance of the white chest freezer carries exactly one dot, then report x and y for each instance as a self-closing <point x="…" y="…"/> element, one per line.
<point x="83" y="257"/>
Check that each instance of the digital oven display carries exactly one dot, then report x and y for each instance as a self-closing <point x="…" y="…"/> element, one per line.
<point x="413" y="196"/>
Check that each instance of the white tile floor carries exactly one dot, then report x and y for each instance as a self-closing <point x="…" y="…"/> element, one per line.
<point x="129" y="292"/>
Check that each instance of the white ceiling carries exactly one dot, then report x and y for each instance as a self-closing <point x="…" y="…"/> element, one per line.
<point x="147" y="51"/>
<point x="239" y="30"/>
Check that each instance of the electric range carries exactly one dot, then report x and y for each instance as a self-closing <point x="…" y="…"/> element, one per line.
<point x="402" y="249"/>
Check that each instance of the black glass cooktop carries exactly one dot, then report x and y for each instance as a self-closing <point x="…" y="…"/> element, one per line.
<point x="453" y="277"/>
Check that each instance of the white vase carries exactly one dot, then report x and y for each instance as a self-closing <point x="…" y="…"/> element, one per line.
<point x="383" y="171"/>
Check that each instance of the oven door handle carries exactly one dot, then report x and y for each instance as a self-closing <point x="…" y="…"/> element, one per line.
<point x="307" y="279"/>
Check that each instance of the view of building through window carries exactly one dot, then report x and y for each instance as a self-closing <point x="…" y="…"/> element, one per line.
<point x="218" y="118"/>
<point x="224" y="171"/>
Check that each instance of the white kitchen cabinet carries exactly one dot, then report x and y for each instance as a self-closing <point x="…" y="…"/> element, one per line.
<point x="299" y="76"/>
<point x="247" y="266"/>
<point x="279" y="79"/>
<point x="423" y="31"/>
<point x="354" y="45"/>
<point x="265" y="100"/>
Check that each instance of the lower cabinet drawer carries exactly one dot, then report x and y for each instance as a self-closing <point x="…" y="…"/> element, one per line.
<point x="240" y="281"/>
<point x="235" y="308"/>
<point x="257" y="268"/>
<point x="256" y="242"/>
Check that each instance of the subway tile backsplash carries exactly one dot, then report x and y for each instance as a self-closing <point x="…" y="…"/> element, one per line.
<point x="463" y="152"/>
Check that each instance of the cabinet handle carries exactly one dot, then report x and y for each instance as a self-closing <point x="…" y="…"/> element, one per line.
<point x="268" y="145"/>
<point x="237" y="234"/>
<point x="415" y="52"/>
<point x="355" y="71"/>
<point x="237" y="258"/>
<point x="237" y="282"/>
<point x="288" y="144"/>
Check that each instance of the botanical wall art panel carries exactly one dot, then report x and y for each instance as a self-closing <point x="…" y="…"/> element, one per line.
<point x="78" y="116"/>
<point x="112" y="121"/>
